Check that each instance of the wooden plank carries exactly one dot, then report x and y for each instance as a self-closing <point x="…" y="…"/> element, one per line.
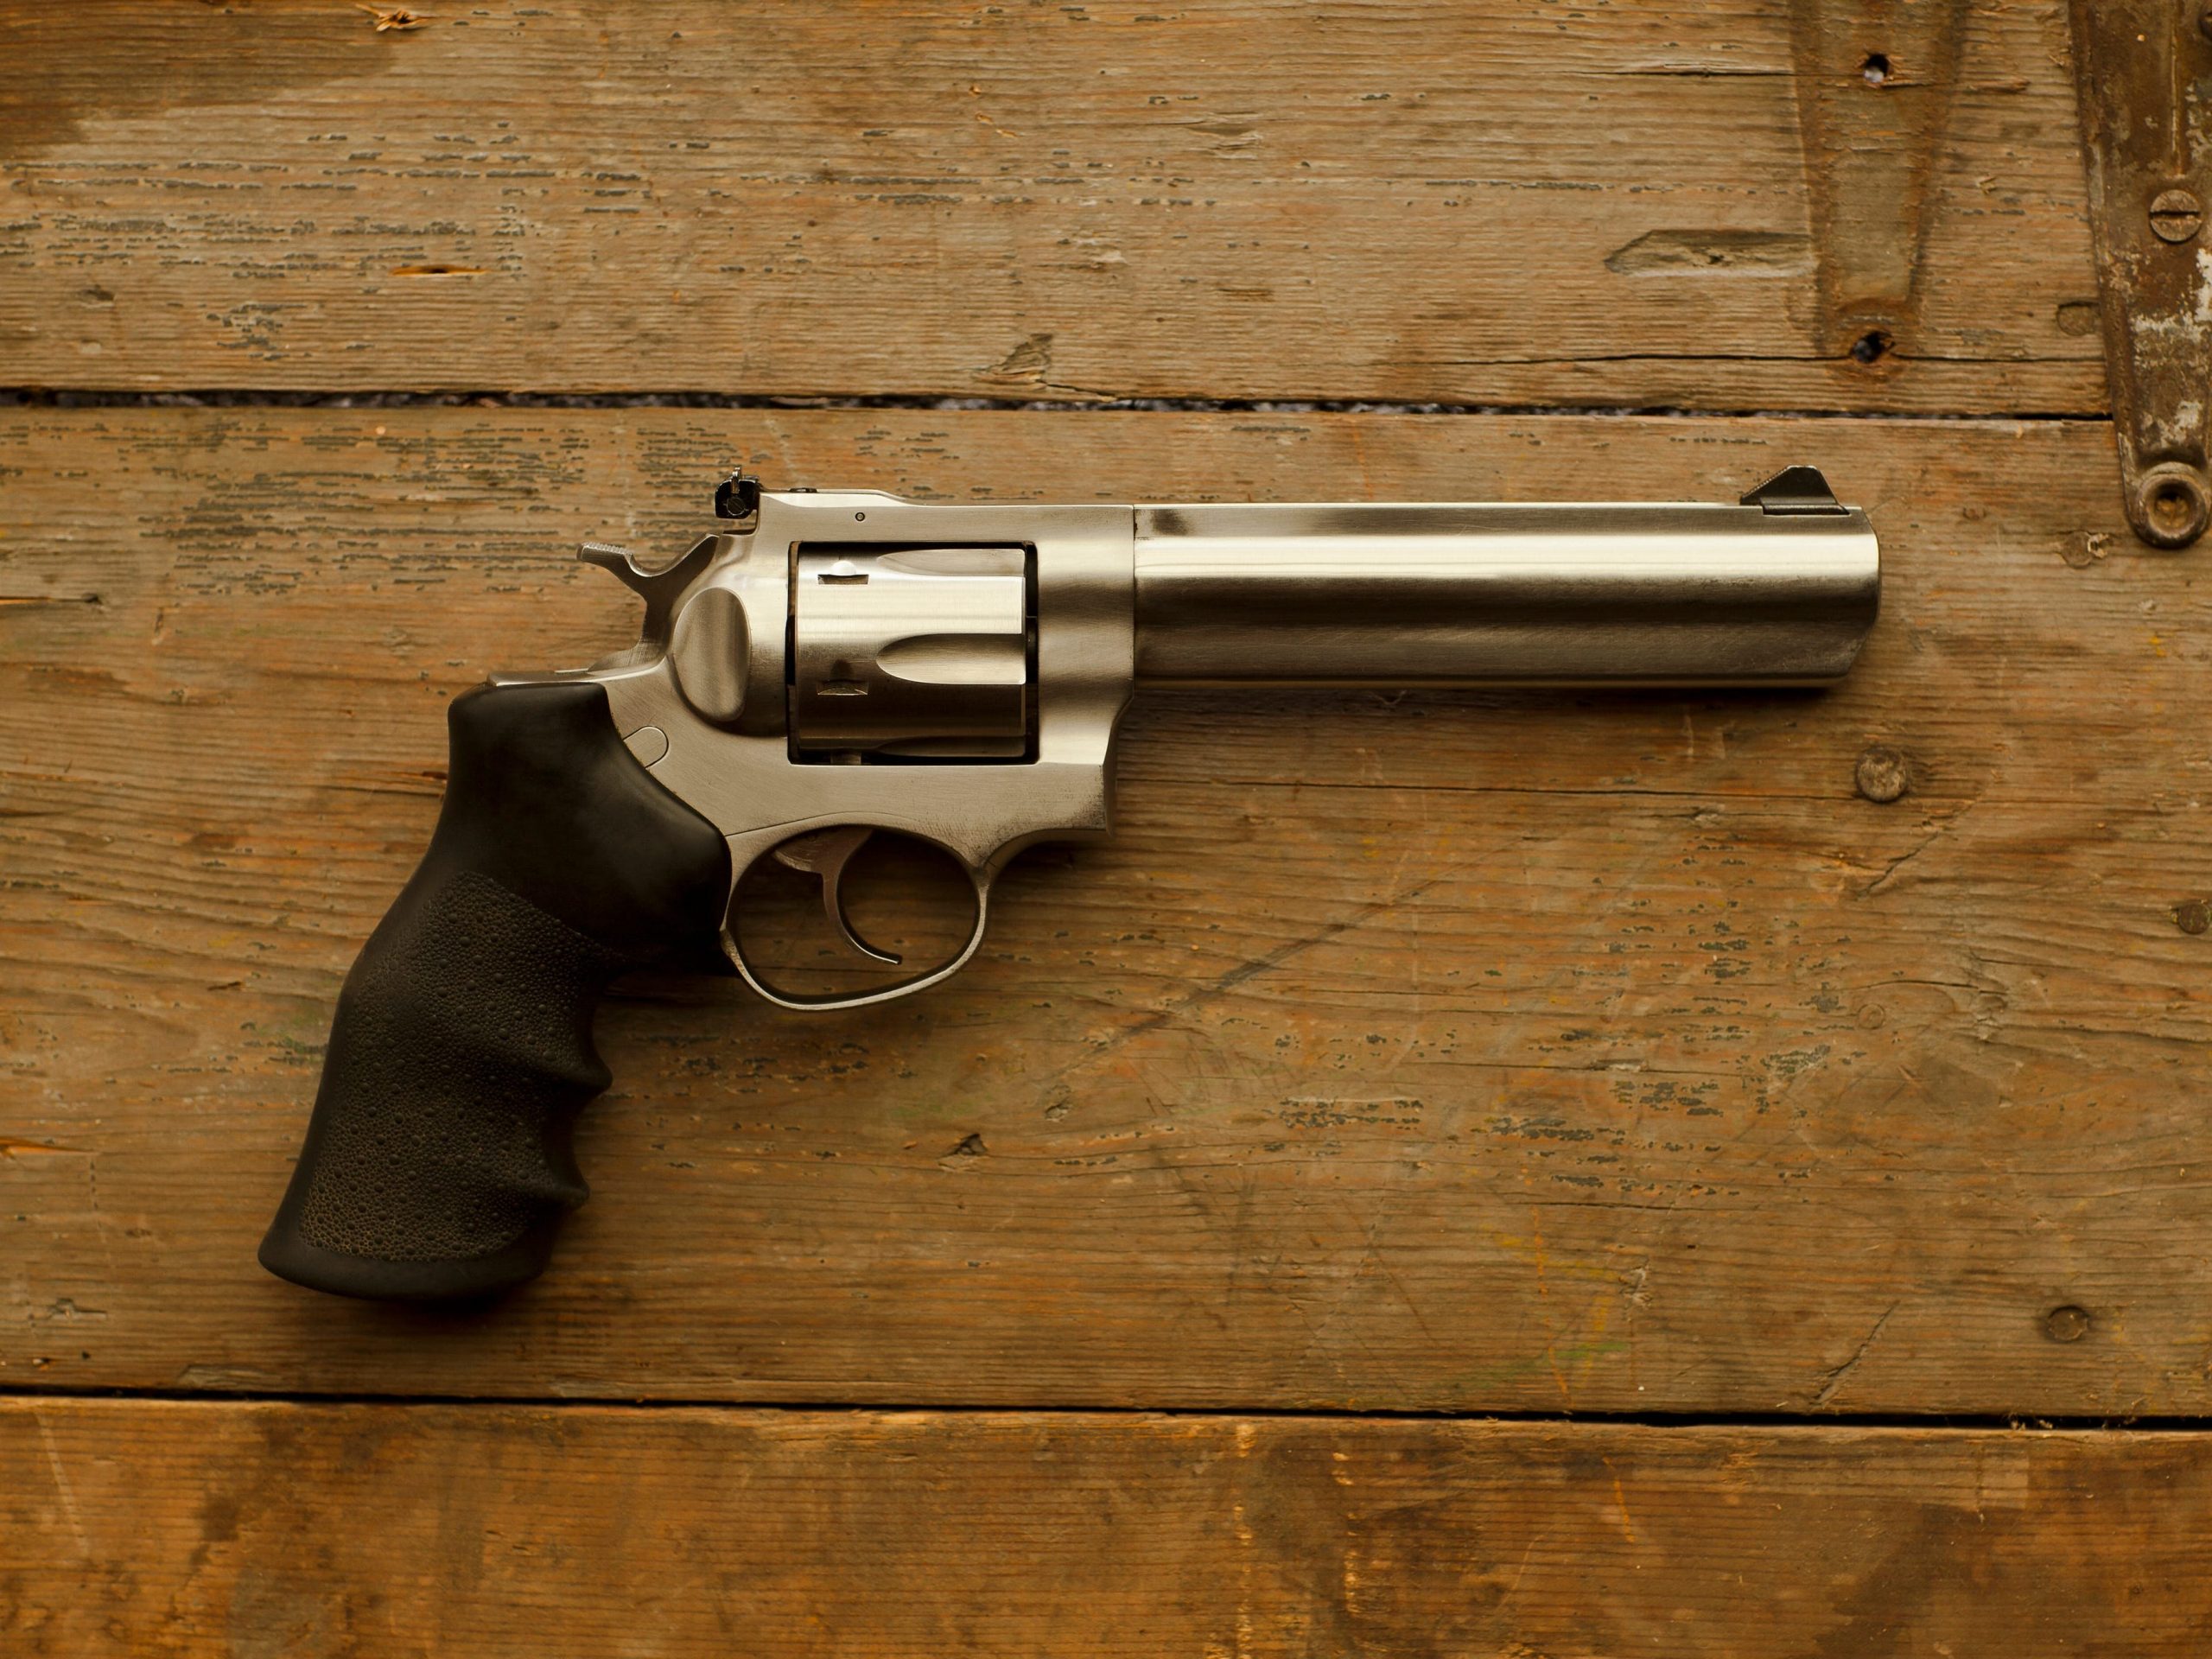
<point x="1439" y="1051"/>
<point x="1497" y="202"/>
<point x="224" y="1528"/>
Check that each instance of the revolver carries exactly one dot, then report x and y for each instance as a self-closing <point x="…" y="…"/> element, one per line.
<point x="838" y="665"/>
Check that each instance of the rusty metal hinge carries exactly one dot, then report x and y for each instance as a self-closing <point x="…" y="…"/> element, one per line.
<point x="2144" y="72"/>
<point x="1875" y="82"/>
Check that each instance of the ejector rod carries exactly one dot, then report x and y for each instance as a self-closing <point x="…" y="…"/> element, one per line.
<point x="1583" y="594"/>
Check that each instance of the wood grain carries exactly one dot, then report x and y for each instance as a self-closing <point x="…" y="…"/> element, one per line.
<point x="225" y="1530"/>
<point x="1492" y="201"/>
<point x="1433" y="1051"/>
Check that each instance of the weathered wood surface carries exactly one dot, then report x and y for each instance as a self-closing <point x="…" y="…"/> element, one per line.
<point x="1494" y="200"/>
<point x="1436" y="1051"/>
<point x="136" y="1528"/>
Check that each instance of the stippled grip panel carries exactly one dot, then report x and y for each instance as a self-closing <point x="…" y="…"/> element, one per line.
<point x="437" y="1161"/>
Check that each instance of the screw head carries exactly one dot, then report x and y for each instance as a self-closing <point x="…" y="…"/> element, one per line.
<point x="2176" y="215"/>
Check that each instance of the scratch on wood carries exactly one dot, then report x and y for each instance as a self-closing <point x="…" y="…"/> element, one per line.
<point x="1935" y="835"/>
<point x="1260" y="964"/>
<point x="1774" y="253"/>
<point x="1890" y="870"/>
<point x="61" y="1486"/>
<point x="1620" y="1499"/>
<point x="1841" y="1374"/>
<point x="1543" y="1301"/>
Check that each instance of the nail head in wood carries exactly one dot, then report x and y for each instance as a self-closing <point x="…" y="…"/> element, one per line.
<point x="1883" y="774"/>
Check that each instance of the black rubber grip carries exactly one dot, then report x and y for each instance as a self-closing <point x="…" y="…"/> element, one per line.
<point x="437" y="1161"/>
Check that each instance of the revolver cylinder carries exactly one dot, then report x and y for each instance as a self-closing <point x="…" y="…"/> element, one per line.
<point x="918" y="653"/>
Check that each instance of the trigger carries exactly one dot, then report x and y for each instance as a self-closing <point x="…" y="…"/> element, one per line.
<point x="825" y="854"/>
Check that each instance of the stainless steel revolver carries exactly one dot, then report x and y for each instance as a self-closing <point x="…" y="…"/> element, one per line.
<point x="843" y="663"/>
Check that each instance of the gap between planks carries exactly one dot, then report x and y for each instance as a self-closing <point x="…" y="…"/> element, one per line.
<point x="1917" y="1422"/>
<point x="674" y="397"/>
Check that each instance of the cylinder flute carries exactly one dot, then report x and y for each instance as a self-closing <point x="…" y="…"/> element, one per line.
<point x="843" y="662"/>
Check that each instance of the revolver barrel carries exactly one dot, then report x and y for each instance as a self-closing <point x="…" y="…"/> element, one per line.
<point x="1583" y="594"/>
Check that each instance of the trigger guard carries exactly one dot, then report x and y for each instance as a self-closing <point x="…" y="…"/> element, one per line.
<point x="979" y="881"/>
